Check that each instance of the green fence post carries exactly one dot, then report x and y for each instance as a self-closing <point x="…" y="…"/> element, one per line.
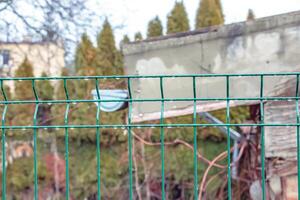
<point x="98" y="142"/>
<point x="130" y="140"/>
<point x="35" y="169"/>
<point x="66" y="120"/>
<point x="228" y="136"/>
<point x="3" y="142"/>
<point x="195" y="142"/>
<point x="162" y="138"/>
<point x="298" y="139"/>
<point x="262" y="137"/>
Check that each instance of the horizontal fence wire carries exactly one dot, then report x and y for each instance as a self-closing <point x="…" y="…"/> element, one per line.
<point x="6" y="102"/>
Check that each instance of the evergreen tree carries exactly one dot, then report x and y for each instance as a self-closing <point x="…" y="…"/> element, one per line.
<point x="60" y="92"/>
<point x="108" y="57"/>
<point x="85" y="55"/>
<point x="58" y="110"/>
<point x="125" y="39"/>
<point x="8" y="94"/>
<point x="138" y="36"/>
<point x="45" y="92"/>
<point x="44" y="89"/>
<point x="251" y="15"/>
<point x="220" y="7"/>
<point x="155" y="28"/>
<point x="209" y="13"/>
<point x="178" y="19"/>
<point x="23" y="89"/>
<point x="23" y="113"/>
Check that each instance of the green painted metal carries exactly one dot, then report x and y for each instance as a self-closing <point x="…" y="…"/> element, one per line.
<point x="66" y="120"/>
<point x="129" y="125"/>
<point x="98" y="143"/>
<point x="262" y="139"/>
<point x="35" y="170"/>
<point x="298" y="131"/>
<point x="162" y="140"/>
<point x="150" y="100"/>
<point x="3" y="143"/>
<point x="195" y="142"/>
<point x="130" y="141"/>
<point x="228" y="137"/>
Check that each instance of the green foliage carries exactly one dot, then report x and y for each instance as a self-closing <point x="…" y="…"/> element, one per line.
<point x="85" y="55"/>
<point x="209" y="13"/>
<point x="237" y="115"/>
<point x="20" y="175"/>
<point x="178" y="19"/>
<point x="155" y="28"/>
<point x="220" y="7"/>
<point x="138" y="36"/>
<point x="44" y="89"/>
<point x="9" y="115"/>
<point x="85" y="113"/>
<point x="58" y="110"/>
<point x="22" y="114"/>
<point x="109" y="59"/>
<point x="23" y="89"/>
<point x="125" y="39"/>
<point x="251" y="15"/>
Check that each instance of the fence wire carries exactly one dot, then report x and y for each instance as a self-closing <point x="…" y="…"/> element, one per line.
<point x="6" y="103"/>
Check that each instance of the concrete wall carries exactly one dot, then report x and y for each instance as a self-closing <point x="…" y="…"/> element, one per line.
<point x="266" y="45"/>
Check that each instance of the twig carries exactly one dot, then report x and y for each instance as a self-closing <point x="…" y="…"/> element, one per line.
<point x="146" y="171"/>
<point x="176" y="142"/>
<point x="219" y="157"/>
<point x="137" y="187"/>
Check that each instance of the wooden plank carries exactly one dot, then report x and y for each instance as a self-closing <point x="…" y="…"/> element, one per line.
<point x="203" y="107"/>
<point x="281" y="141"/>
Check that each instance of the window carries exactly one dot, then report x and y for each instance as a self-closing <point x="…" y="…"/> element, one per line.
<point x="4" y="58"/>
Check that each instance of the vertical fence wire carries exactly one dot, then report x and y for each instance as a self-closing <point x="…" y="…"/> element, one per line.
<point x="297" y="134"/>
<point x="162" y="125"/>
<point x="66" y="121"/>
<point x="262" y="140"/>
<point x="195" y="141"/>
<point x="3" y="142"/>
<point x="162" y="138"/>
<point x="130" y="140"/>
<point x="35" y="159"/>
<point x="228" y="136"/>
<point x="98" y="142"/>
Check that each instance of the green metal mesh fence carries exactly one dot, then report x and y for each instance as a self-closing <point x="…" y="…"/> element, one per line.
<point x="6" y="103"/>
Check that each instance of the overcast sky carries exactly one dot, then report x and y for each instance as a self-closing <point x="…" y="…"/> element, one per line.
<point x="135" y="14"/>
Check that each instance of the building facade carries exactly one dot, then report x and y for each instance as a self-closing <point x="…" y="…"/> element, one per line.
<point x="45" y="57"/>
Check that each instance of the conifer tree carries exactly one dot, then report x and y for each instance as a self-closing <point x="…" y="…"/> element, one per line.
<point x="125" y="39"/>
<point x="209" y="13"/>
<point x="85" y="55"/>
<point x="23" y="89"/>
<point x="155" y="28"/>
<point x="220" y="7"/>
<point x="178" y="19"/>
<point x="108" y="57"/>
<point x="45" y="89"/>
<point x="251" y="15"/>
<point x="45" y="92"/>
<point x="138" y="36"/>
<point x="8" y="94"/>
<point x="60" y="92"/>
<point x="58" y="110"/>
<point x="23" y="113"/>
